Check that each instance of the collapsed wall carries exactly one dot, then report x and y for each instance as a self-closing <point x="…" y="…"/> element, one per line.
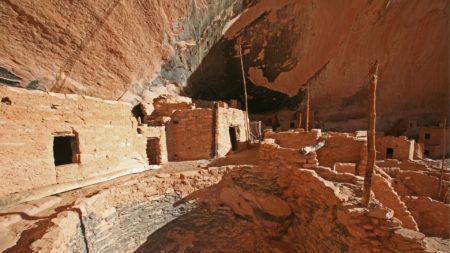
<point x="277" y="209"/>
<point x="262" y="209"/>
<point x="120" y="218"/>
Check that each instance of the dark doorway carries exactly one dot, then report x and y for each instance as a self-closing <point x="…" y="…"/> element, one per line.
<point x="426" y="153"/>
<point x="233" y="137"/>
<point x="138" y="113"/>
<point x="292" y="124"/>
<point x="389" y="153"/>
<point x="64" y="150"/>
<point x="153" y="150"/>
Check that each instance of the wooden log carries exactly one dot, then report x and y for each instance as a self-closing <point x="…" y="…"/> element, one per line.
<point x="308" y="101"/>
<point x="247" y="127"/>
<point x="371" y="150"/>
<point x="441" y="176"/>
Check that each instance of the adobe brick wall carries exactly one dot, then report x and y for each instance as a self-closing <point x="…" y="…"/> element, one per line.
<point x="434" y="145"/>
<point x="229" y="117"/>
<point x="190" y="135"/>
<point x="106" y="130"/>
<point x="403" y="148"/>
<point x="341" y="147"/>
<point x="158" y="132"/>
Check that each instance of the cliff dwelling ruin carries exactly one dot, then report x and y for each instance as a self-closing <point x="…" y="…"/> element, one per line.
<point x="224" y="126"/>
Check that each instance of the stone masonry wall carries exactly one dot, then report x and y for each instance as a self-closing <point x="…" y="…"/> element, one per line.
<point x="106" y="134"/>
<point x="340" y="147"/>
<point x="434" y="144"/>
<point x="294" y="139"/>
<point x="158" y="132"/>
<point x="306" y="213"/>
<point x="165" y="105"/>
<point x="273" y="154"/>
<point x="432" y="216"/>
<point x="229" y="117"/>
<point x="190" y="135"/>
<point x="402" y="147"/>
<point x="385" y="193"/>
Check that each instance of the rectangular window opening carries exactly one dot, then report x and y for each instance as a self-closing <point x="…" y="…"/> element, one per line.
<point x="292" y="124"/>
<point x="389" y="153"/>
<point x="427" y="136"/>
<point x="153" y="151"/>
<point x="233" y="138"/>
<point x="65" y="150"/>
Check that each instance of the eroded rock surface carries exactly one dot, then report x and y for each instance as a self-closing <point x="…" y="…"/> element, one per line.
<point x="133" y="50"/>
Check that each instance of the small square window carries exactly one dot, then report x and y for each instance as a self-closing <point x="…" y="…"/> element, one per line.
<point x="427" y="136"/>
<point x="65" y="150"/>
<point x="426" y="152"/>
<point x="389" y="153"/>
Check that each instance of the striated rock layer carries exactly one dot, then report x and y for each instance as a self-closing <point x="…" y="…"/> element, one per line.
<point x="131" y="50"/>
<point x="331" y="45"/>
<point x="106" y="48"/>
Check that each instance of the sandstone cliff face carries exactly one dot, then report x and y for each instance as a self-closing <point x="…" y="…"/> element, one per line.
<point x="106" y="48"/>
<point x="135" y="49"/>
<point x="331" y="45"/>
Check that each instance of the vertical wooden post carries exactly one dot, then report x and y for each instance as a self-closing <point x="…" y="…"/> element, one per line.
<point x="308" y="101"/>
<point x="216" y="127"/>
<point x="299" y="118"/>
<point x="371" y="151"/>
<point x="441" y="176"/>
<point x="247" y="130"/>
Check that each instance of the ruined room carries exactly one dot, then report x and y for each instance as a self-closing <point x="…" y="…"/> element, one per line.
<point x="224" y="126"/>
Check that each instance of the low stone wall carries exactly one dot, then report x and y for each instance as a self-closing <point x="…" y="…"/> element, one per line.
<point x="385" y="193"/>
<point x="341" y="147"/>
<point x="432" y="216"/>
<point x="403" y="165"/>
<point x="295" y="138"/>
<point x="416" y="183"/>
<point x="273" y="154"/>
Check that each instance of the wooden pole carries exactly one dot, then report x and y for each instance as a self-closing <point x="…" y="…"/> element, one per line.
<point x="441" y="176"/>
<point x="371" y="150"/>
<point x="247" y="131"/>
<point x="308" y="101"/>
<point x="299" y="118"/>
